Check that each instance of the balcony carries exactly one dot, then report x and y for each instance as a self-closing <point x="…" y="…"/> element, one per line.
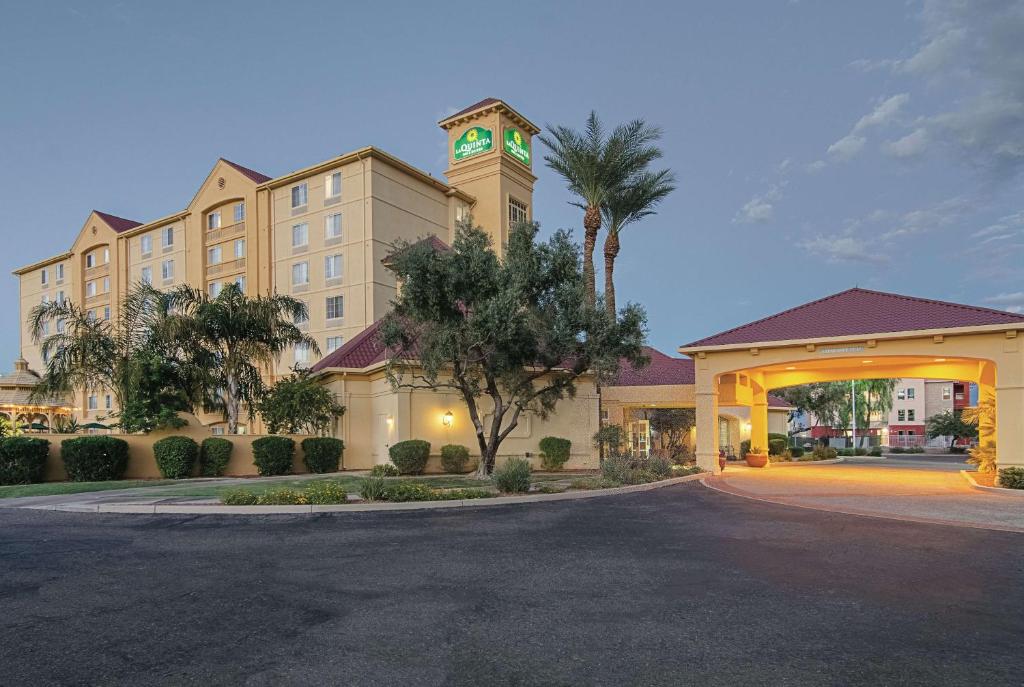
<point x="229" y="267"/>
<point x="98" y="299"/>
<point x="97" y="271"/>
<point x="225" y="233"/>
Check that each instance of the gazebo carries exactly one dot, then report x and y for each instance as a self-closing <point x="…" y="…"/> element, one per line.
<point x="17" y="404"/>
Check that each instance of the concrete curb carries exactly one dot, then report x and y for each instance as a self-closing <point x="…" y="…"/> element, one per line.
<point x="217" y="509"/>
<point x="1002" y="491"/>
<point x="794" y="463"/>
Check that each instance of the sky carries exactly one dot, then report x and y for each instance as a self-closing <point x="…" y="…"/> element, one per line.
<point x="818" y="145"/>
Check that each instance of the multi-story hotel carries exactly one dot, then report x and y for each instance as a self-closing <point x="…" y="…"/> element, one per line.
<point x="319" y="234"/>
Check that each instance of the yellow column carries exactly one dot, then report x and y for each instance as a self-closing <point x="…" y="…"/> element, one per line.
<point x="759" y="420"/>
<point x="707" y="422"/>
<point x="1009" y="429"/>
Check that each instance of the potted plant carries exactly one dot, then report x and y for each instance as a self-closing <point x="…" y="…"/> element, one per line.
<point x="757" y="457"/>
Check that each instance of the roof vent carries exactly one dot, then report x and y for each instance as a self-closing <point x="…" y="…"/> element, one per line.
<point x="220" y="182"/>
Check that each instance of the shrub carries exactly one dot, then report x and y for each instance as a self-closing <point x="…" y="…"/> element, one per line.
<point x="326" y="491"/>
<point x="176" y="456"/>
<point x="958" y="449"/>
<point x="588" y="483"/>
<point x="410" y="457"/>
<point x="783" y="457"/>
<point x="822" y="452"/>
<point x="1011" y="478"/>
<point x="915" y="449"/>
<point x="95" y="458"/>
<point x="657" y="465"/>
<point x="554" y="453"/>
<point x="273" y="455"/>
<point x="744" y="448"/>
<point x="616" y="468"/>
<point x="373" y="488"/>
<point x="608" y="438"/>
<point x="214" y="454"/>
<point x="322" y="454"/>
<point x="281" y="497"/>
<point x="875" y="452"/>
<point x="23" y="459"/>
<point x="684" y="470"/>
<point x="239" y="497"/>
<point x="860" y="451"/>
<point x="384" y="470"/>
<point x="845" y="452"/>
<point x="796" y="452"/>
<point x="777" y="446"/>
<point x="466" y="493"/>
<point x="454" y="458"/>
<point x="513" y="477"/>
<point x="897" y="449"/>
<point x="409" y="491"/>
<point x="550" y="489"/>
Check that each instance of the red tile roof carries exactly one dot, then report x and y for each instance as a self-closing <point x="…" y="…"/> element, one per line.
<point x="859" y="311"/>
<point x="252" y="174"/>
<point x="362" y="350"/>
<point x="662" y="369"/>
<point x="435" y="243"/>
<point x="776" y="402"/>
<point x="475" y="106"/>
<point x="118" y="224"/>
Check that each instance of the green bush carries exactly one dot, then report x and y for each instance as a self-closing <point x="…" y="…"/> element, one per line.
<point x="454" y="458"/>
<point x="409" y="491"/>
<point x="554" y="453"/>
<point x="463" y="494"/>
<point x="23" y="460"/>
<point x="845" y="452"/>
<point x="94" y="458"/>
<point x="273" y="455"/>
<point x="588" y="483"/>
<point x="659" y="466"/>
<point x="796" y="452"/>
<point x="822" y="452"/>
<point x="744" y="448"/>
<point x="326" y="492"/>
<point x="916" y="449"/>
<point x="1011" y="478"/>
<point x="684" y="470"/>
<point x="616" y="468"/>
<point x="322" y="454"/>
<point x="897" y="449"/>
<point x="214" y="454"/>
<point x="875" y="452"/>
<point x="176" y="456"/>
<point x="238" y="497"/>
<point x="281" y="497"/>
<point x="384" y="470"/>
<point x="777" y="446"/>
<point x="513" y="476"/>
<point x="550" y="489"/>
<point x="373" y="488"/>
<point x="410" y="457"/>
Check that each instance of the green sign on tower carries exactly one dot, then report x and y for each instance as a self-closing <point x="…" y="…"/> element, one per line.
<point x="517" y="146"/>
<point x="472" y="142"/>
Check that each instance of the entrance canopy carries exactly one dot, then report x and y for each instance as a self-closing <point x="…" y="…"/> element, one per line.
<point x="863" y="334"/>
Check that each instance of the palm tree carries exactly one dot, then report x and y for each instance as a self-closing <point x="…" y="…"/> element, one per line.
<point x="624" y="206"/>
<point x="234" y="336"/>
<point x="595" y="165"/>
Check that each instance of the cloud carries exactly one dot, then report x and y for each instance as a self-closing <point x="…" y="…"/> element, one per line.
<point x="760" y="208"/>
<point x="815" y="167"/>
<point x="910" y="146"/>
<point x="1006" y="227"/>
<point x="843" y="249"/>
<point x="1010" y="301"/>
<point x="934" y="218"/>
<point x="847" y="147"/>
<point x="884" y="113"/>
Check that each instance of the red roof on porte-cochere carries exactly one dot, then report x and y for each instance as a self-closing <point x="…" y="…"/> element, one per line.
<point x="859" y="311"/>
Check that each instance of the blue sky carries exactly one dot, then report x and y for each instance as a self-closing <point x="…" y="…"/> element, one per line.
<point x="818" y="145"/>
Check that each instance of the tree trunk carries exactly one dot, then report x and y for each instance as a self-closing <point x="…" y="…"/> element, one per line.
<point x="611" y="251"/>
<point x="591" y="226"/>
<point x="231" y="405"/>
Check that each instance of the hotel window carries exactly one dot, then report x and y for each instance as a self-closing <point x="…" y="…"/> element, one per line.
<point x="60" y="272"/>
<point x="106" y="284"/>
<point x="147" y="275"/>
<point x="332" y="185"/>
<point x="240" y="283"/>
<point x="517" y="211"/>
<point x="90" y="260"/>
<point x="300" y="235"/>
<point x="213" y="220"/>
<point x="332" y="267"/>
<point x="335" y="307"/>
<point x="167" y="269"/>
<point x="302" y="353"/>
<point x="214" y="289"/>
<point x="107" y="401"/>
<point x="46" y="328"/>
<point x="332" y="226"/>
<point x="300" y="195"/>
<point x="60" y="296"/>
<point x="214" y="255"/>
<point x="333" y="343"/>
<point x="901" y="394"/>
<point x="300" y="273"/>
<point x="910" y="393"/>
<point x="146" y="244"/>
<point x="45" y="299"/>
<point x="304" y="318"/>
<point x="93" y="403"/>
<point x="239" y="212"/>
<point x="167" y="236"/>
<point x="106" y="313"/>
<point x="947" y="393"/>
<point x="461" y="212"/>
<point x="60" y="326"/>
<point x="90" y="289"/>
<point x="239" y="248"/>
<point x="90" y="315"/>
<point x="911" y="415"/>
<point x="44" y="276"/>
<point x="901" y="415"/>
<point x="106" y="256"/>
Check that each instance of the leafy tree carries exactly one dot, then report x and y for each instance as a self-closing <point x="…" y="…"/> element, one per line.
<point x="152" y="398"/>
<point x="824" y="400"/>
<point x="950" y="424"/>
<point x="626" y="205"/>
<point x="298" y="404"/>
<point x="673" y="424"/>
<point x="596" y="164"/>
<point x="233" y="336"/>
<point x="511" y="336"/>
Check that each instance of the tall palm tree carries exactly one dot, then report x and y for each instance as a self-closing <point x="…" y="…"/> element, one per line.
<point x="236" y="336"/>
<point x="595" y="164"/>
<point x="625" y="205"/>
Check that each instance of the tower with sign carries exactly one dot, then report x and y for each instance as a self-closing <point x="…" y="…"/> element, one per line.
<point x="490" y="157"/>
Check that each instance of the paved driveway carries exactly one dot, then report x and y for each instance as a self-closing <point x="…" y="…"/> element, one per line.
<point x="927" y="489"/>
<point x="679" y="586"/>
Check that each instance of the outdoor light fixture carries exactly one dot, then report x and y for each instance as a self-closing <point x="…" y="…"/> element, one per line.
<point x="939" y="360"/>
<point x="791" y="367"/>
<point x="867" y="362"/>
<point x="447" y="418"/>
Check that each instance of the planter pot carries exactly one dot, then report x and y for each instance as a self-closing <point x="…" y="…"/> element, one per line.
<point x="757" y="460"/>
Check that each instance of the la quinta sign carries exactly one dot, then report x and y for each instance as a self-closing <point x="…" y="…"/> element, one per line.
<point x="517" y="146"/>
<point x="472" y="142"/>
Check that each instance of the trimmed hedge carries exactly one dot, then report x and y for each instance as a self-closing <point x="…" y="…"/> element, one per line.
<point x="796" y="452"/>
<point x="777" y="446"/>
<point x="554" y="453"/>
<point x="214" y="454"/>
<point x="384" y="470"/>
<point x="94" y="459"/>
<point x="176" y="456"/>
<point x="273" y="455"/>
<point x="454" y="458"/>
<point x="410" y="457"/>
<point x="322" y="454"/>
<point x="23" y="460"/>
<point x="1011" y="478"/>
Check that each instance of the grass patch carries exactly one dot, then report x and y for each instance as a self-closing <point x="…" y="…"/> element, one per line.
<point x="58" y="488"/>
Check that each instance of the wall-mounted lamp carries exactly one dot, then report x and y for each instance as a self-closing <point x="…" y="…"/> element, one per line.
<point x="447" y="419"/>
